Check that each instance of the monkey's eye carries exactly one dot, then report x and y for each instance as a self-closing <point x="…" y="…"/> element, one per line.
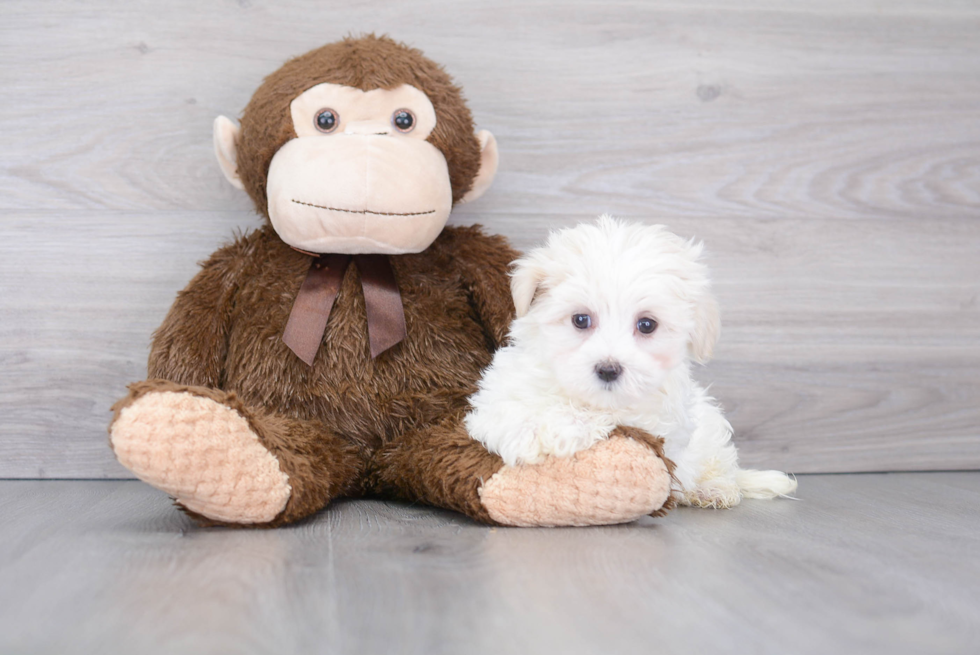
<point x="403" y="120"/>
<point x="646" y="325"/>
<point x="326" y="120"/>
<point x="582" y="321"/>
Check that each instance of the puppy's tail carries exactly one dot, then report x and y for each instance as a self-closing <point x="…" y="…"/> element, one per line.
<point x="764" y="484"/>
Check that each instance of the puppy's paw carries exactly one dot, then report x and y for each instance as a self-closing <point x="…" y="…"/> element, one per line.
<point x="564" y="433"/>
<point x="517" y="444"/>
<point x="718" y="493"/>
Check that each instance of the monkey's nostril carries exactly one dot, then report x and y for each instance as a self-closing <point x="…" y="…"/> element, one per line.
<point x="608" y="371"/>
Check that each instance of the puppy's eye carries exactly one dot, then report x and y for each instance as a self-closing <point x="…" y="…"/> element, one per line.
<point x="582" y="321"/>
<point x="646" y="325"/>
<point x="326" y="120"/>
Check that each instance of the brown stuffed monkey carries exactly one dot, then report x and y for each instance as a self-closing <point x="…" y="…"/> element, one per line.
<point x="331" y="352"/>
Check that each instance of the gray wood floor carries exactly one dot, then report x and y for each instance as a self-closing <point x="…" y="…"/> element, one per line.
<point x="874" y="563"/>
<point x="827" y="151"/>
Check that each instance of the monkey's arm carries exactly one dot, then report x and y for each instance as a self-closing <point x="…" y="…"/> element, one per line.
<point x="483" y="262"/>
<point x="191" y="345"/>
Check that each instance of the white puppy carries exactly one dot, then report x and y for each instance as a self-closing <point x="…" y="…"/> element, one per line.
<point x="609" y="317"/>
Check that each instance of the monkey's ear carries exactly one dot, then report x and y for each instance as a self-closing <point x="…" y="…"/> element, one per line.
<point x="528" y="275"/>
<point x="488" y="166"/>
<point x="225" y="134"/>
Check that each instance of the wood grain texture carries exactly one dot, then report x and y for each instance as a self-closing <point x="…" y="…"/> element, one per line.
<point x="828" y="154"/>
<point x="764" y="109"/>
<point x="862" y="564"/>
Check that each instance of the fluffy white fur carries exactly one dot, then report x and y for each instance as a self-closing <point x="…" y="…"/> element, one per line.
<point x="550" y="391"/>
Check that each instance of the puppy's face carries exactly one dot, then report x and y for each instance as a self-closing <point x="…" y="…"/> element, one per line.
<point x="612" y="308"/>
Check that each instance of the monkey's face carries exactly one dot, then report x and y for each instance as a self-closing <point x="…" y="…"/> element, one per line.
<point x="360" y="176"/>
<point x="358" y="147"/>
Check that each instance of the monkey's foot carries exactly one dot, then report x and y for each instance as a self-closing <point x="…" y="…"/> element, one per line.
<point x="615" y="481"/>
<point x="203" y="453"/>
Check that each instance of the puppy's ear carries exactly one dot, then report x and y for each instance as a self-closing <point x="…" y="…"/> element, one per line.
<point x="528" y="274"/>
<point x="707" y="327"/>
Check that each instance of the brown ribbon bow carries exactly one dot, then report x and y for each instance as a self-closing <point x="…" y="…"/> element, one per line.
<point x="311" y="309"/>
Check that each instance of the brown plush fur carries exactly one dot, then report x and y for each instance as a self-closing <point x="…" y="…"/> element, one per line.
<point x="221" y="339"/>
<point x="390" y="425"/>
<point x="365" y="63"/>
<point x="439" y="465"/>
<point x="350" y="423"/>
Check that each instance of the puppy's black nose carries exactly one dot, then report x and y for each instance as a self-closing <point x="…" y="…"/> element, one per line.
<point x="608" y="371"/>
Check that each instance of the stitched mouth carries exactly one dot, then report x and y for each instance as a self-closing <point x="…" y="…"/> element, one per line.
<point x="363" y="211"/>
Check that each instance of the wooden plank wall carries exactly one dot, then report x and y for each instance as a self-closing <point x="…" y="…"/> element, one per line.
<point x="828" y="152"/>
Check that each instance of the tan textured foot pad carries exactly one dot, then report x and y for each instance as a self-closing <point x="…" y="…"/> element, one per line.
<point x="616" y="481"/>
<point x="202" y="453"/>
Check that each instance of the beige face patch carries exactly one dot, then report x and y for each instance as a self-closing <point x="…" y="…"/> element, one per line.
<point x="359" y="182"/>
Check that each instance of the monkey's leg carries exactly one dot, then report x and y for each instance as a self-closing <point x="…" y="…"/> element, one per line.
<point x="618" y="480"/>
<point x="225" y="463"/>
